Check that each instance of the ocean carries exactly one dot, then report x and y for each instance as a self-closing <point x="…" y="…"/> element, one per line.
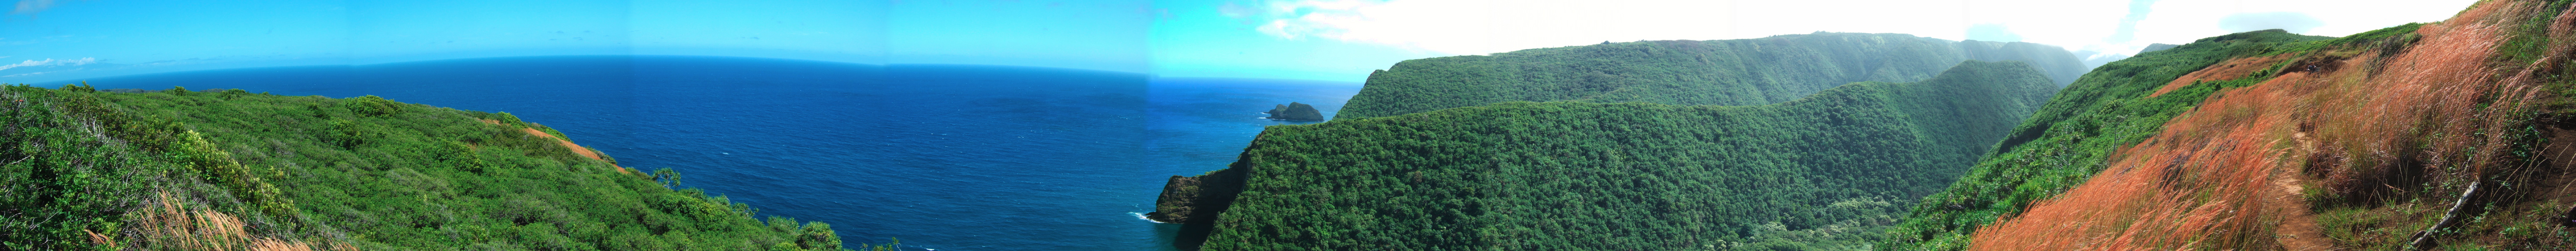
<point x="944" y="157"/>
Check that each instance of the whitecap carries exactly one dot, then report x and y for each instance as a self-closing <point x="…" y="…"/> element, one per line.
<point x="1141" y="216"/>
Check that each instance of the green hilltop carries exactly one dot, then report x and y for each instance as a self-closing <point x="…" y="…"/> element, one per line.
<point x="1816" y="171"/>
<point x="226" y="170"/>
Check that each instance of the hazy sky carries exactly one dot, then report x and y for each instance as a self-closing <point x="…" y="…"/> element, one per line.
<point x="1340" y="40"/>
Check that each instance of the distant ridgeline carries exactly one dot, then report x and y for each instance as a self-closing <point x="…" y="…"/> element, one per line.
<point x="88" y="169"/>
<point x="1682" y="72"/>
<point x="1828" y="170"/>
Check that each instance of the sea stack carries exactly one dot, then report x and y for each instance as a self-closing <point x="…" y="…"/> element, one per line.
<point x="1296" y="111"/>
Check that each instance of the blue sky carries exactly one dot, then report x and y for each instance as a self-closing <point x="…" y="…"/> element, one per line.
<point x="1335" y="40"/>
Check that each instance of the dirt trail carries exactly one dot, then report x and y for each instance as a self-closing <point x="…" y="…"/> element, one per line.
<point x="2231" y="69"/>
<point x="2298" y="230"/>
<point x="576" y="148"/>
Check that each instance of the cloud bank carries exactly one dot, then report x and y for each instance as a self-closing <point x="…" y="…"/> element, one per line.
<point x="2290" y="21"/>
<point x="50" y="62"/>
<point x="1465" y="27"/>
<point x="32" y="6"/>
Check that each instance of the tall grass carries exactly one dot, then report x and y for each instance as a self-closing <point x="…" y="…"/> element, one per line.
<point x="171" y="225"/>
<point x="2235" y="172"/>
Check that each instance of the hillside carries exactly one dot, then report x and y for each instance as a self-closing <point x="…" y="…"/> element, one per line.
<point x="2062" y="66"/>
<point x="2450" y="136"/>
<point x="1616" y="176"/>
<point x="233" y="170"/>
<point x="1682" y="72"/>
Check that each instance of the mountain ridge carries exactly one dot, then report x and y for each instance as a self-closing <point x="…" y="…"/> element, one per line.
<point x="1684" y="72"/>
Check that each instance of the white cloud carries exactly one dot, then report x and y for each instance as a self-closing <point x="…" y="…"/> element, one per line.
<point x="32" y="6"/>
<point x="49" y="61"/>
<point x="1469" y="27"/>
<point x="1479" y="27"/>
<point x="2181" y="21"/>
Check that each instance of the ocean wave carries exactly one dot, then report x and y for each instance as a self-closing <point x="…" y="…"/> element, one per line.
<point x="1141" y="216"/>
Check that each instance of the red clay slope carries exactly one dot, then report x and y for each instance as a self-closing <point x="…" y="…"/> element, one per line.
<point x="576" y="148"/>
<point x="2384" y="144"/>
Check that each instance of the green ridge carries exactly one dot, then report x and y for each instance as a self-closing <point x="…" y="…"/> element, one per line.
<point x="365" y="172"/>
<point x="1817" y="171"/>
<point x="1682" y="72"/>
<point x="2068" y="140"/>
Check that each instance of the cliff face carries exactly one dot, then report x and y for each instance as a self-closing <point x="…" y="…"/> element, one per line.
<point x="1194" y="201"/>
<point x="1296" y="112"/>
<point x="2445" y="136"/>
<point x="1681" y="72"/>
<point x="1622" y="176"/>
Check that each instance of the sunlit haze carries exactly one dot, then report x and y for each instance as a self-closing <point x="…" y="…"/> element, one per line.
<point x="1337" y="40"/>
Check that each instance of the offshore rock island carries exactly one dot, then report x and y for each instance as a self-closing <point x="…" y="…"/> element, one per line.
<point x="1294" y="111"/>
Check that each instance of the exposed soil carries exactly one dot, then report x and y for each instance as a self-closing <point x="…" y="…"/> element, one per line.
<point x="2230" y="69"/>
<point x="576" y="148"/>
<point x="2298" y="230"/>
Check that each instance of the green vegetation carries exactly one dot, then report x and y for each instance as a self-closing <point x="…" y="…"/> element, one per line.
<point x="85" y="169"/>
<point x="1828" y="171"/>
<point x="2068" y="140"/>
<point x="1679" y="72"/>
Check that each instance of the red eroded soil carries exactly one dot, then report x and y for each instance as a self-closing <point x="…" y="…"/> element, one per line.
<point x="2230" y="69"/>
<point x="2229" y="174"/>
<point x="576" y="148"/>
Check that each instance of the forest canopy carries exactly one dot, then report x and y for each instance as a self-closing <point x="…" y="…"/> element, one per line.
<point x="1624" y="176"/>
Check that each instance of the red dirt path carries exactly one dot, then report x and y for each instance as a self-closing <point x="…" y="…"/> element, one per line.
<point x="576" y="148"/>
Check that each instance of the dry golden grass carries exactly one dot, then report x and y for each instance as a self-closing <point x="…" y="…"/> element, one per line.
<point x="2229" y="175"/>
<point x="172" y="226"/>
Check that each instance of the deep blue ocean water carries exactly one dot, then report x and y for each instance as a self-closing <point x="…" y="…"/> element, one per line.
<point x="946" y="157"/>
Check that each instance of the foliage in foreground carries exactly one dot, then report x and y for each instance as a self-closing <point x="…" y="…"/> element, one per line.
<point x="2447" y="136"/>
<point x="232" y="170"/>
<point x="2066" y="141"/>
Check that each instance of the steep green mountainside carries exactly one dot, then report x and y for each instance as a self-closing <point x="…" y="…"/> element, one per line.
<point x="1681" y="72"/>
<point x="1617" y="176"/>
<point x="2066" y="141"/>
<point x="2062" y="66"/>
<point x="232" y="170"/>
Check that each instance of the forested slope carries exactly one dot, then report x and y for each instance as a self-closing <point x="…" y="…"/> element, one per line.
<point x="1683" y="72"/>
<point x="233" y="170"/>
<point x="2454" y="135"/>
<point x="1615" y="176"/>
